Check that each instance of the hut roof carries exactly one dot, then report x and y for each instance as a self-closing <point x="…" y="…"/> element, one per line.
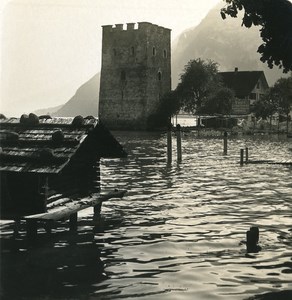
<point x="34" y="144"/>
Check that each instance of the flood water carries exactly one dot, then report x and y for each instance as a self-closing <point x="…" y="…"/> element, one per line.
<point x="178" y="233"/>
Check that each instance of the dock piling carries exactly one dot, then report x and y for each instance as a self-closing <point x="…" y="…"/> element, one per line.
<point x="73" y="222"/>
<point x="246" y="154"/>
<point x="252" y="239"/>
<point x="225" y="138"/>
<point x="178" y="142"/>
<point x="31" y="229"/>
<point x="241" y="156"/>
<point x="169" y="144"/>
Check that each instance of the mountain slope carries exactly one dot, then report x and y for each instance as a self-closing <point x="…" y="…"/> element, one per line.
<point x="84" y="102"/>
<point x="223" y="41"/>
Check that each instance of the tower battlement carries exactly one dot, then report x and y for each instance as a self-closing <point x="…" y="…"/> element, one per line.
<point x="140" y="26"/>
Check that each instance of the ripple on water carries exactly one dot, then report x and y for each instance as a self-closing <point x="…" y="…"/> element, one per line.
<point x="179" y="233"/>
<point x="195" y="218"/>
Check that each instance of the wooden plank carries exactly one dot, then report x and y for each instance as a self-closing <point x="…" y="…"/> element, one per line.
<point x="270" y="162"/>
<point x="72" y="208"/>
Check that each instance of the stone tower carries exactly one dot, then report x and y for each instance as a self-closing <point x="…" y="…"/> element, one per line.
<point x="135" y="74"/>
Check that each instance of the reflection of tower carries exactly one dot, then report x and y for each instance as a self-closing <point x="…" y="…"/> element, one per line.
<point x="135" y="73"/>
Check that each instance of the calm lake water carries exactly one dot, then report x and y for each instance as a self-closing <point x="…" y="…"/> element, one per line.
<point x="178" y="233"/>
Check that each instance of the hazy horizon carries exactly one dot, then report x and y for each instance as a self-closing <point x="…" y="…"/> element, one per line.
<point x="49" y="48"/>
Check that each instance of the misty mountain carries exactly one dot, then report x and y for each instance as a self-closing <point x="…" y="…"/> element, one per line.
<point x="223" y="41"/>
<point x="84" y="102"/>
<point x="48" y="111"/>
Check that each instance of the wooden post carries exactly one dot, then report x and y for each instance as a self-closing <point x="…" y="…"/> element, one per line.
<point x="241" y="156"/>
<point x="198" y="125"/>
<point x="43" y="193"/>
<point x="178" y="143"/>
<point x="31" y="229"/>
<point x="169" y="144"/>
<point x="225" y="143"/>
<point x="48" y="226"/>
<point x="73" y="221"/>
<point x="246" y="154"/>
<point x="252" y="239"/>
<point x="16" y="227"/>
<point x="97" y="208"/>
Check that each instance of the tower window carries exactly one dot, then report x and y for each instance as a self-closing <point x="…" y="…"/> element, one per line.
<point x="123" y="75"/>
<point x="159" y="75"/>
<point x="115" y="52"/>
<point x="153" y="51"/>
<point x="132" y="50"/>
<point x="164" y="53"/>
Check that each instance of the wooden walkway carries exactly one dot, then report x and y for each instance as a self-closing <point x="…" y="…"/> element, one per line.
<point x="67" y="210"/>
<point x="270" y="162"/>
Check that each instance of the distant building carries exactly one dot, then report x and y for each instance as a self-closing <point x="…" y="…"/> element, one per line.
<point x="248" y="86"/>
<point x="135" y="73"/>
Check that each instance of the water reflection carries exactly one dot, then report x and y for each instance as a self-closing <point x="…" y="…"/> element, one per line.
<point x="179" y="231"/>
<point x="64" y="265"/>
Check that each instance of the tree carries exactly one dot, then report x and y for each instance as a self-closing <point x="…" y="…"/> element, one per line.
<point x="265" y="107"/>
<point x="198" y="80"/>
<point x="281" y="92"/>
<point x="219" y="103"/>
<point x="169" y="106"/>
<point x="275" y="19"/>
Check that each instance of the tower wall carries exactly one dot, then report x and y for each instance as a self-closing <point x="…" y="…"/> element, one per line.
<point x="135" y="74"/>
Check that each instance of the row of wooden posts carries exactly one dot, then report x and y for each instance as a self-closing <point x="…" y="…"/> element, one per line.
<point x="179" y="148"/>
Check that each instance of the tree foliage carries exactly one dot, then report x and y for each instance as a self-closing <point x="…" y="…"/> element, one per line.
<point x="169" y="106"/>
<point x="275" y="19"/>
<point x="197" y="82"/>
<point x="265" y="107"/>
<point x="281" y="92"/>
<point x="220" y="102"/>
<point x="278" y="100"/>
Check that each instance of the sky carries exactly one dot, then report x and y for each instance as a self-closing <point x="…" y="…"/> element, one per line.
<point x="49" y="48"/>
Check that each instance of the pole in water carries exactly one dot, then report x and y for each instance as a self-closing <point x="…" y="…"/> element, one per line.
<point x="241" y="156"/>
<point x="246" y="154"/>
<point x="73" y="222"/>
<point x="225" y="143"/>
<point x="178" y="143"/>
<point x="252" y="239"/>
<point x="169" y="144"/>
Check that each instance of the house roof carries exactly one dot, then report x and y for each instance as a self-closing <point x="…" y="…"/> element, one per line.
<point x="242" y="82"/>
<point x="43" y="144"/>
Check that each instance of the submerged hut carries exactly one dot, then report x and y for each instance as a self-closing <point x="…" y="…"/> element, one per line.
<point x="44" y="159"/>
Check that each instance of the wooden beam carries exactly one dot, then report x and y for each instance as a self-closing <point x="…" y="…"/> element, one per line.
<point x="65" y="212"/>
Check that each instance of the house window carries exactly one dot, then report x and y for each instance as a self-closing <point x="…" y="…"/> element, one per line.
<point x="153" y="51"/>
<point x="164" y="53"/>
<point x="159" y="75"/>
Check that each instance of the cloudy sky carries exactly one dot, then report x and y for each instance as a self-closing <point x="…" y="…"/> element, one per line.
<point x="51" y="47"/>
